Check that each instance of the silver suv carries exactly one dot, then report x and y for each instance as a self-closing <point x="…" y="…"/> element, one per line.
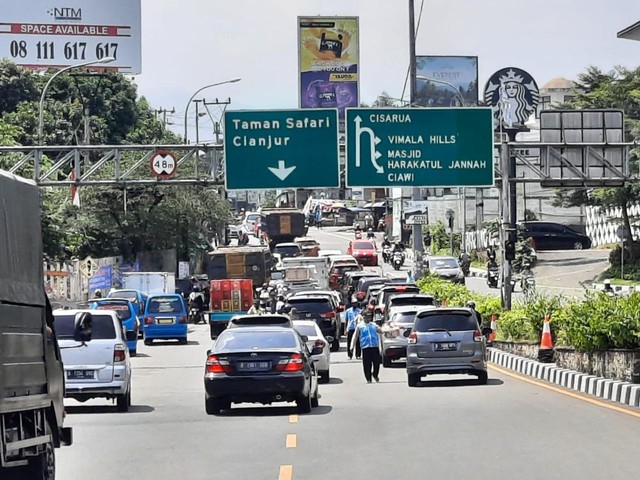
<point x="446" y="340"/>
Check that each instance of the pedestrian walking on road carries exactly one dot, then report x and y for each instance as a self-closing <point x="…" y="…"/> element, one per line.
<point x="369" y="335"/>
<point x="352" y="318"/>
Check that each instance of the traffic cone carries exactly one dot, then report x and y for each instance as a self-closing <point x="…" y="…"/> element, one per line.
<point x="545" y="353"/>
<point x="443" y="303"/>
<point x="494" y="327"/>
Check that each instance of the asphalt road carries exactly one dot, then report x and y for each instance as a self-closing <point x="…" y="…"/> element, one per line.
<point x="448" y="428"/>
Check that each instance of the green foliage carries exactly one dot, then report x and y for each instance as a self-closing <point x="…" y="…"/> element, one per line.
<point x="441" y="238"/>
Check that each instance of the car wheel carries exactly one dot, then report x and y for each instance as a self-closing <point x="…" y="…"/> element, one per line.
<point x="148" y="341"/>
<point x="386" y="361"/>
<point x="182" y="341"/>
<point x="578" y="246"/>
<point x="315" y="400"/>
<point x="413" y="379"/>
<point x="335" y="345"/>
<point x="43" y="467"/>
<point x="304" y="403"/>
<point x="213" y="406"/>
<point x="123" y="402"/>
<point x="483" y="378"/>
<point x="324" y="377"/>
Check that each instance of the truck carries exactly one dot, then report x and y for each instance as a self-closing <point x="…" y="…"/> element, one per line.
<point x="149" y="282"/>
<point x="233" y="274"/>
<point x="283" y="225"/>
<point x="31" y="371"/>
<point x="320" y="264"/>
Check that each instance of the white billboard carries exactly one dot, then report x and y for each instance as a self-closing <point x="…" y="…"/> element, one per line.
<point x="416" y="212"/>
<point x="51" y="34"/>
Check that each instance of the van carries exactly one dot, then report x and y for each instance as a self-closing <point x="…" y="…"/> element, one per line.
<point x="165" y="318"/>
<point x="320" y="264"/>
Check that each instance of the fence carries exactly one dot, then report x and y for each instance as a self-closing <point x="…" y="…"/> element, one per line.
<point x="602" y="224"/>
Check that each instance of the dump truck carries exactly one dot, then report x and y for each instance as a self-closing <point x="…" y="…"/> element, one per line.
<point x="283" y="225"/>
<point x="234" y="273"/>
<point x="31" y="370"/>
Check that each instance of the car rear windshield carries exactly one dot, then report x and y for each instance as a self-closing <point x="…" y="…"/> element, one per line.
<point x="311" y="305"/>
<point x="308" y="330"/>
<point x="238" y="339"/>
<point x="121" y="309"/>
<point x="365" y="283"/>
<point x="165" y="305"/>
<point x="407" y="301"/>
<point x="404" y="317"/>
<point x="363" y="246"/>
<point x="341" y="269"/>
<point x="454" y="322"/>
<point x="288" y="250"/>
<point x="388" y="293"/>
<point x="102" y="327"/>
<point x="130" y="295"/>
<point x="443" y="263"/>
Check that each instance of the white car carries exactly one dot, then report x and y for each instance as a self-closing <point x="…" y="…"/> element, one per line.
<point x="329" y="253"/>
<point x="100" y="368"/>
<point x="315" y="338"/>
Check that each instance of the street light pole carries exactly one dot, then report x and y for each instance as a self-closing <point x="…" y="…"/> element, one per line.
<point x="418" y="247"/>
<point x="186" y="110"/>
<point x="46" y="87"/>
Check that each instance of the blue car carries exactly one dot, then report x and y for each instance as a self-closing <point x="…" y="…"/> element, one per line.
<point x="136" y="297"/>
<point x="127" y="315"/>
<point x="165" y="318"/>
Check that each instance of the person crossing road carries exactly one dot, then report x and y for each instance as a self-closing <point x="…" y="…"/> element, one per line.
<point x="352" y="317"/>
<point x="369" y="335"/>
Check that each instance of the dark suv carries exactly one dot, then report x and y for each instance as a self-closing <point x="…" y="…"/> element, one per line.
<point x="320" y="310"/>
<point x="554" y="236"/>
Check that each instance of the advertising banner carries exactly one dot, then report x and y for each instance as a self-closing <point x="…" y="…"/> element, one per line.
<point x="43" y="34"/>
<point x="447" y="81"/>
<point x="328" y="62"/>
<point x="416" y="212"/>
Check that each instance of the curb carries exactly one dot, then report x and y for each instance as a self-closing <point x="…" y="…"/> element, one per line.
<point x="604" y="388"/>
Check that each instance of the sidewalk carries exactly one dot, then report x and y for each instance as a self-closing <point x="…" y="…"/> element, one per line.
<point x="604" y="388"/>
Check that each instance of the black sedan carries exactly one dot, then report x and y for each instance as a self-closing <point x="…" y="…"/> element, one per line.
<point x="260" y="365"/>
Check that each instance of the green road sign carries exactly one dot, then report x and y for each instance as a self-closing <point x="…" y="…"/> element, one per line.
<point x="281" y="149"/>
<point x="427" y="147"/>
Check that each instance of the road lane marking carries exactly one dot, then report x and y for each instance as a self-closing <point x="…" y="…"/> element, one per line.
<point x="566" y="392"/>
<point x="293" y="418"/>
<point x="292" y="440"/>
<point x="286" y="472"/>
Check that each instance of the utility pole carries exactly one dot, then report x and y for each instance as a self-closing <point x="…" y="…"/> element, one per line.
<point x="418" y="247"/>
<point x="216" y="123"/>
<point x="164" y="112"/>
<point x="197" y="102"/>
<point x="507" y="230"/>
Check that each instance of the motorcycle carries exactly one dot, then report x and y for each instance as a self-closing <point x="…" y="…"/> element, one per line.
<point x="493" y="274"/>
<point x="527" y="281"/>
<point x="386" y="254"/>
<point x="195" y="315"/>
<point x="398" y="260"/>
<point x="465" y="266"/>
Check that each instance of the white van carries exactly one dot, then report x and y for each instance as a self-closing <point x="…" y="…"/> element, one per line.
<point x="321" y="265"/>
<point x="100" y="368"/>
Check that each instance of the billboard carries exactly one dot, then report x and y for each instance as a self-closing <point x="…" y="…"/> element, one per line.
<point x="415" y="212"/>
<point x="328" y="62"/>
<point x="452" y="81"/>
<point x="46" y="34"/>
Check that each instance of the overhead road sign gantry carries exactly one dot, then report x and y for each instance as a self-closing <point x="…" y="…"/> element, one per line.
<point x="273" y="149"/>
<point x="427" y="147"/>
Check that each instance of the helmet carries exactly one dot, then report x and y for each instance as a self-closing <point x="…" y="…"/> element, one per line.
<point x="471" y="304"/>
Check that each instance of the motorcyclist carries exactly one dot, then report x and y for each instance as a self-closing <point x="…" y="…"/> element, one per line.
<point x="491" y="255"/>
<point x="256" y="309"/>
<point x="196" y="301"/>
<point x="386" y="243"/>
<point x="472" y="305"/>
<point x="370" y="233"/>
<point x="465" y="262"/>
<point x="398" y="247"/>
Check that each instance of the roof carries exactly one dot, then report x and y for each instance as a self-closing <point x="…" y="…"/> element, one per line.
<point x="287" y="244"/>
<point x="558" y="83"/>
<point x="433" y="311"/>
<point x="630" y="33"/>
<point x="85" y="310"/>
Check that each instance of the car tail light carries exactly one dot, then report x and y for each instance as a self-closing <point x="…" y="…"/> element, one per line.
<point x="148" y="321"/>
<point x="360" y="295"/>
<point x="413" y="338"/>
<point x="182" y="320"/>
<point x="215" y="365"/>
<point x="328" y="315"/>
<point x="477" y="336"/>
<point x="319" y="344"/>
<point x="292" y="364"/>
<point x="119" y="353"/>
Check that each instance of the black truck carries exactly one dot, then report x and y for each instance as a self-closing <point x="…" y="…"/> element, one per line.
<point x="31" y="372"/>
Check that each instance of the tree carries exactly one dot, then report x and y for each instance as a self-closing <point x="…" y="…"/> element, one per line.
<point x="384" y="100"/>
<point x="619" y="89"/>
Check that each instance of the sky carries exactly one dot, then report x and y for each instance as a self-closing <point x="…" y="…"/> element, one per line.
<point x="187" y="44"/>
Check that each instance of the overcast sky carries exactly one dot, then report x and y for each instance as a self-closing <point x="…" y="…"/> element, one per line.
<point x="189" y="43"/>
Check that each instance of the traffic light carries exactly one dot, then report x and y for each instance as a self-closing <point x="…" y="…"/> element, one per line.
<point x="509" y="250"/>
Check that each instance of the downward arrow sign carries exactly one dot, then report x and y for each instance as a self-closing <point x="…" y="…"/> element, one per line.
<point x="282" y="172"/>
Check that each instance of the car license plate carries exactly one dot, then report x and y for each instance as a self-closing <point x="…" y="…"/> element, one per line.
<point x="80" y="374"/>
<point x="165" y="321"/>
<point x="445" y="346"/>
<point x="253" y="366"/>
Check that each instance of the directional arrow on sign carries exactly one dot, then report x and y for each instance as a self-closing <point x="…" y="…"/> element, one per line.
<point x="282" y="172"/>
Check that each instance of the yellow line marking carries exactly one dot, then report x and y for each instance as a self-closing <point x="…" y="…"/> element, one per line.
<point x="286" y="472"/>
<point x="293" y="418"/>
<point x="569" y="393"/>
<point x="292" y="440"/>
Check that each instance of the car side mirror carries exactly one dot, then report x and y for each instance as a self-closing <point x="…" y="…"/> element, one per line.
<point x="486" y="331"/>
<point x="305" y="339"/>
<point x="131" y="335"/>
<point x="208" y="352"/>
<point x="316" y="351"/>
<point x="83" y="327"/>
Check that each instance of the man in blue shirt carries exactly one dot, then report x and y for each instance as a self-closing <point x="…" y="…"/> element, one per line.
<point x="369" y="335"/>
<point x="351" y="318"/>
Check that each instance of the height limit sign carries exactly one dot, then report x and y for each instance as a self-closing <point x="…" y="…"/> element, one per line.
<point x="163" y="164"/>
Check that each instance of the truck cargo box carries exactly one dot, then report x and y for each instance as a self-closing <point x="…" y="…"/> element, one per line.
<point x="231" y="295"/>
<point x="236" y="263"/>
<point x="284" y="224"/>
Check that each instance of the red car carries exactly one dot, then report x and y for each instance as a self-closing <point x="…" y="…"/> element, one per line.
<point x="337" y="272"/>
<point x="365" y="252"/>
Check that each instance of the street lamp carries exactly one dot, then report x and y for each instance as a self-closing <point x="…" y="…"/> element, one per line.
<point x="186" y="110"/>
<point x="46" y="87"/>
<point x="427" y="79"/>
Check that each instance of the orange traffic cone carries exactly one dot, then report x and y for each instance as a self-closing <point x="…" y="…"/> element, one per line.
<point x="494" y="327"/>
<point x="443" y="303"/>
<point x="545" y="352"/>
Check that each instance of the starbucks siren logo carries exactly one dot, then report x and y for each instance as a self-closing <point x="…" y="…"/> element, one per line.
<point x="514" y="96"/>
